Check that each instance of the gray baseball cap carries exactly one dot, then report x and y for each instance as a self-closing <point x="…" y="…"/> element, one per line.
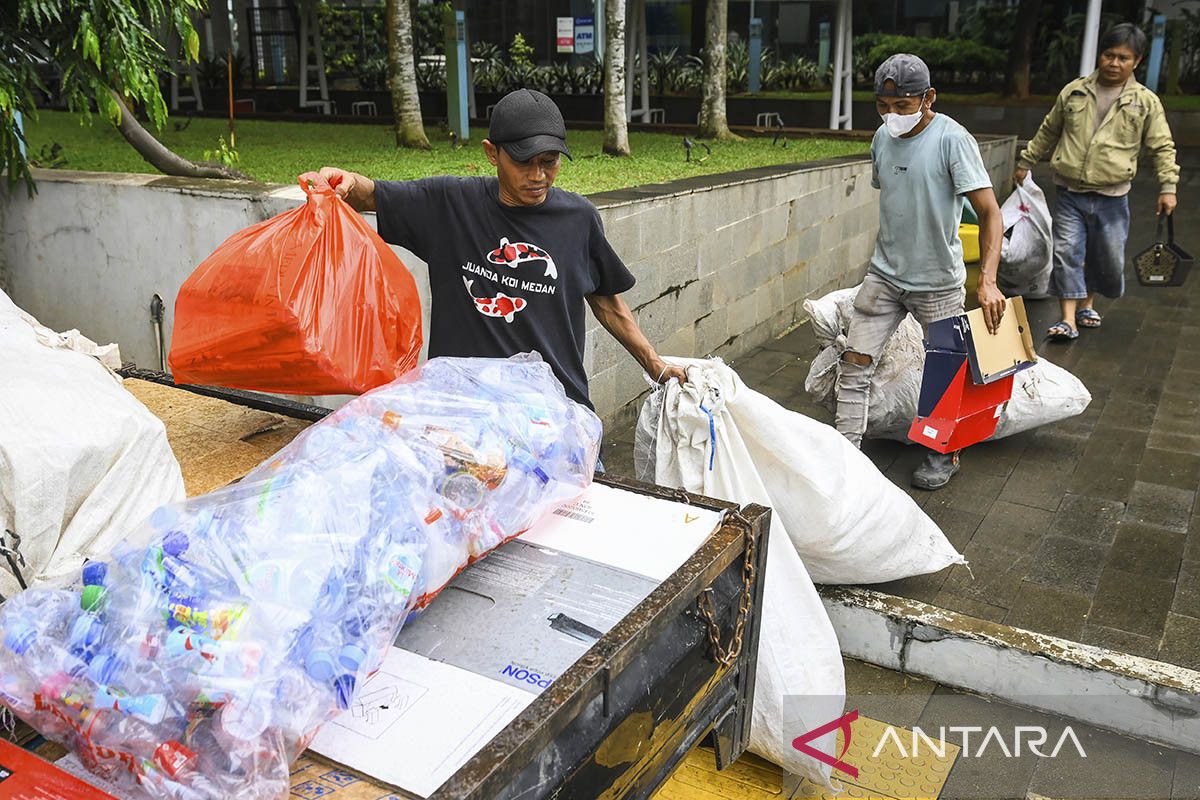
<point x="908" y="72"/>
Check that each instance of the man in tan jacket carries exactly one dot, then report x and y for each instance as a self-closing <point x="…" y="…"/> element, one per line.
<point x="1093" y="136"/>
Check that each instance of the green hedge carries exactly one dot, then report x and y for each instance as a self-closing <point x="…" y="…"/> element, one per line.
<point x="951" y="61"/>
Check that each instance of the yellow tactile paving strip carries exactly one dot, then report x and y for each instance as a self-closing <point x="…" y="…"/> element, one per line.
<point x="892" y="775"/>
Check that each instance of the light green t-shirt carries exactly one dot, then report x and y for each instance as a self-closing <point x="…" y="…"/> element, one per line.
<point x="922" y="182"/>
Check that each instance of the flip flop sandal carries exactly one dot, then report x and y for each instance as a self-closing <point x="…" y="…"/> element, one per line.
<point x="1088" y="318"/>
<point x="1061" y="332"/>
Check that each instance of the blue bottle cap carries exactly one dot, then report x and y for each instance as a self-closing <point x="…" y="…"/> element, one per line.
<point x="351" y="657"/>
<point x="20" y="637"/>
<point x="94" y="573"/>
<point x="319" y="665"/>
<point x="344" y="688"/>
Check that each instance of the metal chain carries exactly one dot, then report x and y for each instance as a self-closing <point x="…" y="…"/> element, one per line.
<point x="13" y="555"/>
<point x="726" y="657"/>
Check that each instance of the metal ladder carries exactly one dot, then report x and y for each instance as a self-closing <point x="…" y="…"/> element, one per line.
<point x="310" y="39"/>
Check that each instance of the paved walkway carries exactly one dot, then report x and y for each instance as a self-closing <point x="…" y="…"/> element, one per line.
<point x="1088" y="529"/>
<point x="1115" y="766"/>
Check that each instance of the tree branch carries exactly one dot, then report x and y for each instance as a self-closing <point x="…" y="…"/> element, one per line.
<point x="161" y="157"/>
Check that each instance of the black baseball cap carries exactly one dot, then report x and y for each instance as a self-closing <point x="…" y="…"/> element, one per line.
<point x="527" y="122"/>
<point x="907" y="71"/>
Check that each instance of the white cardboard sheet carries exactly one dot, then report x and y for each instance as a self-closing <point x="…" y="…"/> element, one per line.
<point x="417" y="720"/>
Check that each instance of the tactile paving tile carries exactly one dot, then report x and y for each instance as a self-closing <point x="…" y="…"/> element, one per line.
<point x="892" y="775"/>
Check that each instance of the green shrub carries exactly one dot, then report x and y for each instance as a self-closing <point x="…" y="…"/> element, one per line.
<point x="794" y="74"/>
<point x="520" y="52"/>
<point x="372" y="74"/>
<point x="950" y="61"/>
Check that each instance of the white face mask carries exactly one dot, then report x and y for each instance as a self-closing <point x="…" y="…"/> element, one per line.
<point x="900" y="124"/>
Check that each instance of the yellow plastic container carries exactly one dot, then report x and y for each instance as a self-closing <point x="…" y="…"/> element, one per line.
<point x="970" y="240"/>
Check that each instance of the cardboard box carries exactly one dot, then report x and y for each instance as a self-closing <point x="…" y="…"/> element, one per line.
<point x="313" y="776"/>
<point x="968" y="377"/>
<point x="24" y="776"/>
<point x="964" y="413"/>
<point x="991" y="356"/>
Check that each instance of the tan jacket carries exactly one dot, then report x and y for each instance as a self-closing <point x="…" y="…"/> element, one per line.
<point x="1110" y="157"/>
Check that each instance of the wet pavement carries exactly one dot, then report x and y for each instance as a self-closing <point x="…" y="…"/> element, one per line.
<point x="989" y="749"/>
<point x="1088" y="529"/>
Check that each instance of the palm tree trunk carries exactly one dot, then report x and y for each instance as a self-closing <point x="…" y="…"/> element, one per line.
<point x="162" y="158"/>
<point x="402" y="77"/>
<point x="1020" y="57"/>
<point x="713" y="123"/>
<point x="616" y="123"/>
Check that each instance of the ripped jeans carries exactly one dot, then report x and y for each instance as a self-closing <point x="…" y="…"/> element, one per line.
<point x="879" y="308"/>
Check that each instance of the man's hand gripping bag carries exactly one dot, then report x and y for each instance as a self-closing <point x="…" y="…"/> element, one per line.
<point x="310" y="302"/>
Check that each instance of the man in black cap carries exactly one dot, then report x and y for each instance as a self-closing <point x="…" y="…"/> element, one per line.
<point x="925" y="165"/>
<point x="511" y="258"/>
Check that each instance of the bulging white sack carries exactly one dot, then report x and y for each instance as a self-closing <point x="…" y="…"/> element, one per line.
<point x="81" y="459"/>
<point x="845" y="522"/>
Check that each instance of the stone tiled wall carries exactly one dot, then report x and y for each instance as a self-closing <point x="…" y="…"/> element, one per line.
<point x="723" y="262"/>
<point x="724" y="267"/>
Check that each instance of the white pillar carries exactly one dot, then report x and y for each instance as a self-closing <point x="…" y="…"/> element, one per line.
<point x="598" y="28"/>
<point x="630" y="49"/>
<point x="644" y="59"/>
<point x="843" y="68"/>
<point x="1091" y="37"/>
<point x="848" y="66"/>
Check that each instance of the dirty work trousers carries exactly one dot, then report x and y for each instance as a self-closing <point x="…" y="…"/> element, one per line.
<point x="879" y="308"/>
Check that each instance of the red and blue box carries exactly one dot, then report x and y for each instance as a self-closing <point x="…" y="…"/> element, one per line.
<point x="968" y="377"/>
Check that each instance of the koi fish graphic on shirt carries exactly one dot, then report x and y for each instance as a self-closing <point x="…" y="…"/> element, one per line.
<point x="514" y="254"/>
<point x="499" y="306"/>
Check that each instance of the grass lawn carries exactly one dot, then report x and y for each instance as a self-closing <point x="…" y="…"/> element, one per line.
<point x="278" y="151"/>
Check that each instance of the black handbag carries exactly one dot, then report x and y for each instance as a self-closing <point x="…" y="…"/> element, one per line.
<point x="1164" y="263"/>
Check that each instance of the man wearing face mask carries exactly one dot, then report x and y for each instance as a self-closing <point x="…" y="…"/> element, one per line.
<point x="925" y="166"/>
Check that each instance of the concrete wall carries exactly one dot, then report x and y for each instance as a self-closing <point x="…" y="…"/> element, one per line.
<point x="723" y="262"/>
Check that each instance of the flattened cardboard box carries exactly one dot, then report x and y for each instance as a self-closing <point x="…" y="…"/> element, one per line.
<point x="315" y="777"/>
<point x="992" y="357"/>
<point x="968" y="377"/>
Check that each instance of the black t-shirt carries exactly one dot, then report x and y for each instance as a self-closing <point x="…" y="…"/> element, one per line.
<point x="504" y="280"/>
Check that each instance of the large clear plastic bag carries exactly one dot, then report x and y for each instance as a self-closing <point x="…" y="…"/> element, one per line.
<point x="201" y="660"/>
<point x="309" y="302"/>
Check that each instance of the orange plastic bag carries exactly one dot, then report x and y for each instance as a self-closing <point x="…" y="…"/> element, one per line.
<point x="310" y="302"/>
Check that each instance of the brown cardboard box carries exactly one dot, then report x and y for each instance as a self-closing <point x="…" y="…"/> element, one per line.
<point x="315" y="777"/>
